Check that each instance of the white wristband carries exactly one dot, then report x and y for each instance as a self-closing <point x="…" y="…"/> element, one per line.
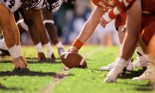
<point x="116" y="11"/>
<point x="13" y="51"/>
<point x="106" y="17"/>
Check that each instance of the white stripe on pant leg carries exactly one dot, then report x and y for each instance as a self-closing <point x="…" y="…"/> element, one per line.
<point x="23" y="24"/>
<point x="48" y="21"/>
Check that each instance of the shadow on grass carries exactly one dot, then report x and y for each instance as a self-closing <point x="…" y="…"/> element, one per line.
<point x="9" y="88"/>
<point x="131" y="74"/>
<point x="146" y="87"/>
<point x="142" y="88"/>
<point x="27" y="72"/>
<point x="36" y="61"/>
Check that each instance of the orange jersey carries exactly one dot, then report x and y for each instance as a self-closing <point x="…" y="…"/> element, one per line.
<point x="120" y="20"/>
<point x="147" y="28"/>
<point x="112" y="14"/>
<point x="104" y="4"/>
<point x="147" y="5"/>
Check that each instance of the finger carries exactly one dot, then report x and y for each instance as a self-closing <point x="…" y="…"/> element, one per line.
<point x="22" y="65"/>
<point x="71" y="51"/>
<point x="23" y="60"/>
<point x="16" y="65"/>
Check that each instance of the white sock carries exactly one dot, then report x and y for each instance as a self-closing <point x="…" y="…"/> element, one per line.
<point x="59" y="45"/>
<point x="49" y="49"/>
<point x="23" y="24"/>
<point x="3" y="44"/>
<point x="39" y="47"/>
<point x="19" y="50"/>
<point x="13" y="51"/>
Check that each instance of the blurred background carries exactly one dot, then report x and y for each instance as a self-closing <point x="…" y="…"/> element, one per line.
<point x="69" y="20"/>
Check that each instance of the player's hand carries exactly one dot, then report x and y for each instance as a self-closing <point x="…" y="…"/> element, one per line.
<point x="18" y="63"/>
<point x="23" y="60"/>
<point x="73" y="49"/>
<point x="113" y="74"/>
<point x="103" y="22"/>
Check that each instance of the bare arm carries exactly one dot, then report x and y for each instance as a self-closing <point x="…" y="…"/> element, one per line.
<point x="90" y="25"/>
<point x="133" y="26"/>
<point x="87" y="30"/>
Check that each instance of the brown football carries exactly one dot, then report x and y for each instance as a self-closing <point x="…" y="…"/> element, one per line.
<point x="71" y="60"/>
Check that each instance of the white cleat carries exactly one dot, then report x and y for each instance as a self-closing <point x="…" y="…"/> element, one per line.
<point x="130" y="66"/>
<point x="110" y="66"/>
<point x="149" y="74"/>
<point x="141" y="62"/>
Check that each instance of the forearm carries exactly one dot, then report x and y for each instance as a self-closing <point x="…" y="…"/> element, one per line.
<point x="87" y="31"/>
<point x="90" y="25"/>
<point x="129" y="45"/>
<point x="133" y="27"/>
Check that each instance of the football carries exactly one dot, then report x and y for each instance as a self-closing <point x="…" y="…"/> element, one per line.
<point x="71" y="60"/>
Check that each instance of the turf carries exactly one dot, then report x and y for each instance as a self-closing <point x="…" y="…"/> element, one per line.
<point x="41" y="75"/>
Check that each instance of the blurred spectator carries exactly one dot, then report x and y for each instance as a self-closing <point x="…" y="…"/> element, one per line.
<point x="60" y="17"/>
<point x="109" y="35"/>
<point x="75" y="19"/>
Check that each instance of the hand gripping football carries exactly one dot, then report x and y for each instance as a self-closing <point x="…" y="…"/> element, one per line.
<point x="71" y="60"/>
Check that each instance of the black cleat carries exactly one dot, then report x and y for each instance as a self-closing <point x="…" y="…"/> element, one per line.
<point x="4" y="52"/>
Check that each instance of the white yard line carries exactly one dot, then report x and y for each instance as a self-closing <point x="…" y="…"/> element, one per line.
<point x="63" y="73"/>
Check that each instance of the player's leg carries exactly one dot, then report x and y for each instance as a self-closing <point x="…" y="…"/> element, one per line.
<point x="148" y="34"/>
<point x="121" y="34"/>
<point x="43" y="36"/>
<point x="141" y="60"/>
<point x="49" y="24"/>
<point x="22" y="26"/>
<point x="34" y="31"/>
<point x="151" y="50"/>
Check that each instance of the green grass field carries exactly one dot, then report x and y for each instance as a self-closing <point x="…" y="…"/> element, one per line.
<point x="47" y="77"/>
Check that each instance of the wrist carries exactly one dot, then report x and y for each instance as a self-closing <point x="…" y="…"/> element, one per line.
<point x="13" y="51"/>
<point x="121" y="62"/>
<point x="78" y="44"/>
<point x="107" y="18"/>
